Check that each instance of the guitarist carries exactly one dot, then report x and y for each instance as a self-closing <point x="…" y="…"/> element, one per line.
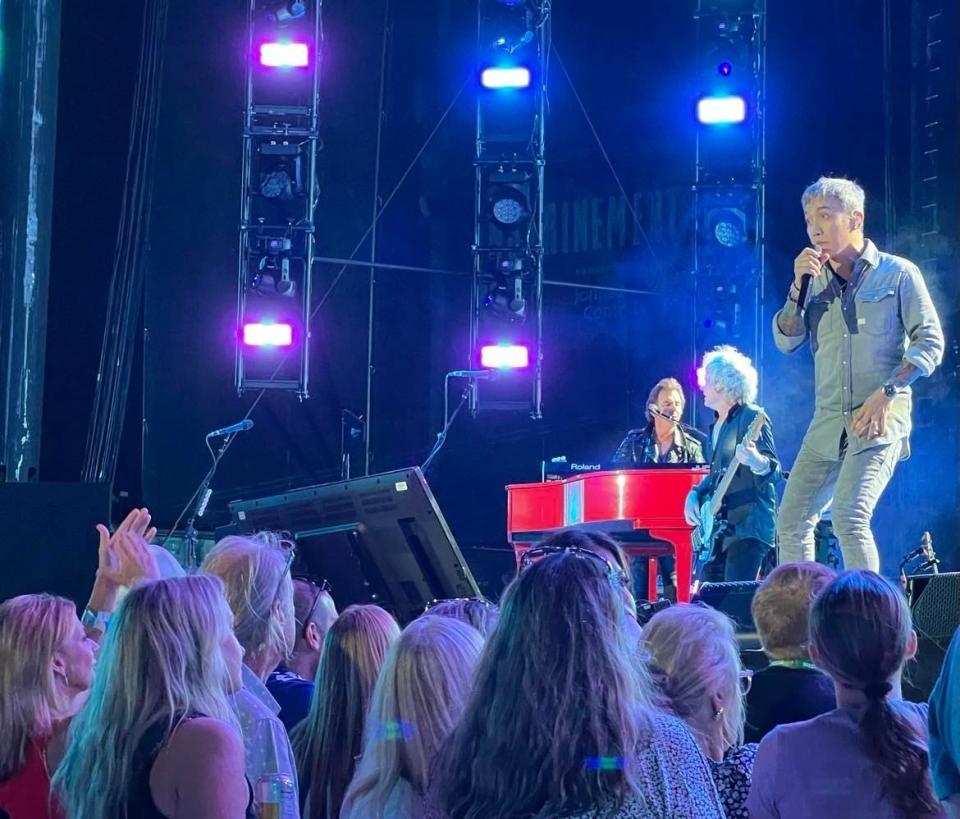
<point x="749" y="508"/>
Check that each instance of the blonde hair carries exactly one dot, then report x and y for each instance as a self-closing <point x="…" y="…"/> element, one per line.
<point x="860" y="626"/>
<point x="420" y="694"/>
<point x="161" y="661"/>
<point x="781" y="608"/>
<point x="328" y="741"/>
<point x="848" y="192"/>
<point x="254" y="571"/>
<point x="694" y="652"/>
<point x="664" y="384"/>
<point x="478" y="612"/>
<point x="732" y="373"/>
<point x="32" y="629"/>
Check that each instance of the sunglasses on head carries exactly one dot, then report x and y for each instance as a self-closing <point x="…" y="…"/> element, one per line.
<point x="536" y="554"/>
<point x="319" y="589"/>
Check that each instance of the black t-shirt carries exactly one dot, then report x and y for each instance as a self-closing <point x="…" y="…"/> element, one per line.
<point x="781" y="695"/>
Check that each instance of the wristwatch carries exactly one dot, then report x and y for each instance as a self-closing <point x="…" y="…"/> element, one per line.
<point x="889" y="390"/>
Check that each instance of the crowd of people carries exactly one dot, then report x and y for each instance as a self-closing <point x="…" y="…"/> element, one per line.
<point x="241" y="691"/>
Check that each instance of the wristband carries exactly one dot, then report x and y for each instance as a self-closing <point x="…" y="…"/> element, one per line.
<point x="95" y="620"/>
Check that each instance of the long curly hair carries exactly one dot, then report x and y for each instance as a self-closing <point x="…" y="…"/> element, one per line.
<point x="557" y="685"/>
<point x="860" y="626"/>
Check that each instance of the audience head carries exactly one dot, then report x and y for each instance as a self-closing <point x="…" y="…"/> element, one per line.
<point x="314" y="612"/>
<point x="329" y="740"/>
<point x="419" y="696"/>
<point x="781" y="608"/>
<point x="169" y="652"/>
<point x="255" y="571"/>
<point x="557" y="684"/>
<point x="46" y="669"/>
<point x="696" y="662"/>
<point x="598" y="543"/>
<point x="861" y="634"/>
<point x="478" y="612"/>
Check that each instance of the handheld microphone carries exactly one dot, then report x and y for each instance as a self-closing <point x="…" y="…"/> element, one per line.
<point x="471" y="373"/>
<point x="805" y="284"/>
<point x="240" y="426"/>
<point x="655" y="410"/>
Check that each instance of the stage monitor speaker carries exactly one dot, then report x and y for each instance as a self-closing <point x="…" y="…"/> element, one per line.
<point x="49" y="540"/>
<point x="734" y="599"/>
<point x="378" y="539"/>
<point x="935" y="606"/>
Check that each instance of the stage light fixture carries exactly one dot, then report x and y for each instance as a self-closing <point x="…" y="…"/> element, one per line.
<point x="724" y="69"/>
<point x="729" y="227"/>
<point x="284" y="55"/>
<point x="504" y="356"/>
<point x="267" y="334"/>
<point x="721" y="110"/>
<point x="500" y="77"/>
<point x="285" y="12"/>
<point x="508" y="206"/>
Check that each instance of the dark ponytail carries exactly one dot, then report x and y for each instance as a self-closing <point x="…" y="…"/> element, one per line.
<point x="899" y="753"/>
<point x="860" y="625"/>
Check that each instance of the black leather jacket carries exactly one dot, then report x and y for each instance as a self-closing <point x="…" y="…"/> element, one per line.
<point x="750" y="506"/>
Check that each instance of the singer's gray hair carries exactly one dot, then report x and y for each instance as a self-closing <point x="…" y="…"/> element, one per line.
<point x="731" y="373"/>
<point x="849" y="193"/>
<point x="670" y="385"/>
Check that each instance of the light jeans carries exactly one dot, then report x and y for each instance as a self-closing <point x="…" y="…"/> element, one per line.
<point x="854" y="483"/>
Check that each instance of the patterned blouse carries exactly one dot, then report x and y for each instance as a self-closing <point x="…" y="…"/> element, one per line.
<point x="732" y="778"/>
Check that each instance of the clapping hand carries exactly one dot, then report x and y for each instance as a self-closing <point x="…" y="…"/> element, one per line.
<point x="124" y="558"/>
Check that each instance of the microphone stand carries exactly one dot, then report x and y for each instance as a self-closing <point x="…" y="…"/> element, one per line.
<point x="447" y="418"/>
<point x="201" y="495"/>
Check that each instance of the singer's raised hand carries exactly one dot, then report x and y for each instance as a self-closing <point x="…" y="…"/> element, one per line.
<point x="809" y="263"/>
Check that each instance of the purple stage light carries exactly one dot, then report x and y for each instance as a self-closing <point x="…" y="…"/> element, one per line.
<point x="267" y="335"/>
<point x="505" y="77"/>
<point x="725" y="69"/>
<point x="504" y="356"/>
<point x="284" y="55"/>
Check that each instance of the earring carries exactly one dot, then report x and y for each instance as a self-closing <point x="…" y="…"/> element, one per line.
<point x="718" y="714"/>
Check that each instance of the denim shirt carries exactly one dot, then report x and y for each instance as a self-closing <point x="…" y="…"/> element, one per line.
<point x="265" y="741"/>
<point x="859" y="338"/>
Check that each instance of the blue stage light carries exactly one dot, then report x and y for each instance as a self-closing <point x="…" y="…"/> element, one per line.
<point x="724" y="69"/>
<point x="515" y="77"/>
<point x="721" y="110"/>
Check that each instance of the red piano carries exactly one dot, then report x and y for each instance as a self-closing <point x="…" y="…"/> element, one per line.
<point x="641" y="508"/>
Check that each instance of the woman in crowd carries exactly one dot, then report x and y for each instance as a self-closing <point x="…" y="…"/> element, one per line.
<point x="420" y="694"/>
<point x="329" y="741"/>
<point x="868" y="757"/>
<point x="157" y="736"/>
<point x="476" y="611"/>
<point x="944" y="724"/>
<point x="47" y="657"/>
<point x="559" y="721"/>
<point x="791" y="688"/>
<point x="255" y="571"/>
<point x="46" y="669"/>
<point x="696" y="662"/>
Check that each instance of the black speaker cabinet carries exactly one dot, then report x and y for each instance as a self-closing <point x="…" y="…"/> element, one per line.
<point x="734" y="600"/>
<point x="935" y="605"/>
<point x="48" y="540"/>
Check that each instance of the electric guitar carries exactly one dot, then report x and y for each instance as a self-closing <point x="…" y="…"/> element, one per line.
<point x="712" y="526"/>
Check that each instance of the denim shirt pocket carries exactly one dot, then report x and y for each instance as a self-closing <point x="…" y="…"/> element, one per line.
<point x="877" y="310"/>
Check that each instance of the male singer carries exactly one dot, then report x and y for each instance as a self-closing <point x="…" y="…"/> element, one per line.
<point x="873" y="331"/>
